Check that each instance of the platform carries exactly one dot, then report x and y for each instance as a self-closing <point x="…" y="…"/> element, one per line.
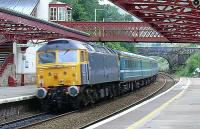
<point x="12" y="94"/>
<point x="177" y="108"/>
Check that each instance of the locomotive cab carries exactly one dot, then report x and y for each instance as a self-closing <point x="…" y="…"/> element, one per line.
<point x="60" y="68"/>
<point x="59" y="65"/>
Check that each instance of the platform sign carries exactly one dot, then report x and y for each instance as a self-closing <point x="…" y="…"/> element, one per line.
<point x="195" y="3"/>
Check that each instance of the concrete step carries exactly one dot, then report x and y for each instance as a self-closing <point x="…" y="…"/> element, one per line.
<point x="3" y="55"/>
<point x="4" y="52"/>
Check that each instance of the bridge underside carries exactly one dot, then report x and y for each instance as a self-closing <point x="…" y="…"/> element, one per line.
<point x="176" y="20"/>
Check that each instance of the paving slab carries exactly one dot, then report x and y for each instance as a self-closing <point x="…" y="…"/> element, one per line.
<point x="178" y="108"/>
<point x="12" y="94"/>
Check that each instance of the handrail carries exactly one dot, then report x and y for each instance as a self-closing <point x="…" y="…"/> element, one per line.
<point x="8" y="60"/>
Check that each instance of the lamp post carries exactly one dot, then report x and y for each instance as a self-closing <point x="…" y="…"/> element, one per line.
<point x="95" y="14"/>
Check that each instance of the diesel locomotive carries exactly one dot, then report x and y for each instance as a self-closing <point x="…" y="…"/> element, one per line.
<point x="74" y="73"/>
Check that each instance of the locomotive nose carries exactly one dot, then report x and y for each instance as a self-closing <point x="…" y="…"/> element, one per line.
<point x="41" y="93"/>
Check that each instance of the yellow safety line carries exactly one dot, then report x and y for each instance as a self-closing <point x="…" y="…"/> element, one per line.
<point x="155" y="112"/>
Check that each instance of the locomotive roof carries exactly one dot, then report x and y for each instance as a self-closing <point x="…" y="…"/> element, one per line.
<point x="66" y="44"/>
<point x="62" y="44"/>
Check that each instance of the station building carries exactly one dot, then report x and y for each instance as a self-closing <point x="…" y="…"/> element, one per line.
<point x="17" y="61"/>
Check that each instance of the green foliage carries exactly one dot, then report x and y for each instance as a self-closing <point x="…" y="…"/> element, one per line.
<point x="115" y="46"/>
<point x="111" y="14"/>
<point x="84" y="10"/>
<point x="192" y="63"/>
<point x="122" y="46"/>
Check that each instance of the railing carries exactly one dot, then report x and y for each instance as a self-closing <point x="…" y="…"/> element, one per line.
<point x="117" y="31"/>
<point x="9" y="60"/>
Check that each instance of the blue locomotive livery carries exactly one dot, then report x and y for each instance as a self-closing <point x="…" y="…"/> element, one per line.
<point x="74" y="73"/>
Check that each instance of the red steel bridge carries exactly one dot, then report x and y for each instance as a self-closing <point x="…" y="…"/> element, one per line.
<point x="175" y="21"/>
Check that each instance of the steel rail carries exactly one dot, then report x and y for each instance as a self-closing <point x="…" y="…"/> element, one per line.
<point x="32" y="120"/>
<point x="131" y="105"/>
<point x="45" y="120"/>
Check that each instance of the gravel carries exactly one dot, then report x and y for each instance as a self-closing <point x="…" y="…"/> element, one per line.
<point x="18" y="116"/>
<point x="78" y="119"/>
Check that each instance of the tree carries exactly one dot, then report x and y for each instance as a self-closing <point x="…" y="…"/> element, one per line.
<point x="192" y="63"/>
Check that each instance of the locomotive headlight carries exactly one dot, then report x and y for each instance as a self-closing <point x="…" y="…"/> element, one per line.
<point x="41" y="93"/>
<point x="73" y="91"/>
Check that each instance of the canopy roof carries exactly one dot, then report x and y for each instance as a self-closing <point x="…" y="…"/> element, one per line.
<point x="17" y="26"/>
<point x="23" y="6"/>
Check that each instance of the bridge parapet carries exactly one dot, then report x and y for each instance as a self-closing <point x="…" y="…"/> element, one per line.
<point x="167" y="50"/>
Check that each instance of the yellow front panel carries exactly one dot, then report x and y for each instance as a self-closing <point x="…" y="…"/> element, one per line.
<point x="58" y="75"/>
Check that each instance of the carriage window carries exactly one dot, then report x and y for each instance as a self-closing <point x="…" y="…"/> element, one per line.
<point x="49" y="57"/>
<point x="67" y="56"/>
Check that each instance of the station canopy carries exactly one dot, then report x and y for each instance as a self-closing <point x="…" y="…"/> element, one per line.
<point x="176" y="20"/>
<point x="15" y="26"/>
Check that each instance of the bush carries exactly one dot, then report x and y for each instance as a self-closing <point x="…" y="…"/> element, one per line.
<point x="192" y="63"/>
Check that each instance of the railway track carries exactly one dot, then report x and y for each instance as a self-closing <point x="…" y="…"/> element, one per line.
<point x="45" y="117"/>
<point x="31" y="120"/>
<point x="133" y="104"/>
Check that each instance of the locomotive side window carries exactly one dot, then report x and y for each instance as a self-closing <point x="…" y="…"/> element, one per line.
<point x="82" y="56"/>
<point x="49" y="57"/>
<point x="67" y="56"/>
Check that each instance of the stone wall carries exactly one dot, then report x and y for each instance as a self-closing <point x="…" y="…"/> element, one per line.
<point x="29" y="79"/>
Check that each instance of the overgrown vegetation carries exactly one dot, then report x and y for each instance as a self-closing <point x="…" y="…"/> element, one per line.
<point x="192" y="63"/>
<point x="84" y="10"/>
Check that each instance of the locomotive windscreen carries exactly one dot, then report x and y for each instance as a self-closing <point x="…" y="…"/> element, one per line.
<point x="67" y="56"/>
<point x="47" y="57"/>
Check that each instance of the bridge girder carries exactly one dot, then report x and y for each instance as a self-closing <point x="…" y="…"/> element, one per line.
<point x="176" y="20"/>
<point x="118" y="31"/>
